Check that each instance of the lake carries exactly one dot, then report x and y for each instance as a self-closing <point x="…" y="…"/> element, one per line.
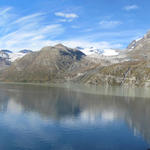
<point x="79" y="118"/>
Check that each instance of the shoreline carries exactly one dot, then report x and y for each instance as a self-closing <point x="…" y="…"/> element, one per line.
<point x="91" y="89"/>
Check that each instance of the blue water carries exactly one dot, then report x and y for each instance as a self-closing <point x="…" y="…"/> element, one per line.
<point x="53" y="118"/>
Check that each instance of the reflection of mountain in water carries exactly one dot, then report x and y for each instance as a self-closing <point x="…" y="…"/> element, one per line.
<point x="70" y="107"/>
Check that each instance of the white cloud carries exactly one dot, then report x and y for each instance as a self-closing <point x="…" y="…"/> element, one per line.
<point x="26" y="31"/>
<point x="75" y="26"/>
<point x="28" y="18"/>
<point x="65" y="20"/>
<point x="5" y="15"/>
<point x="30" y="38"/>
<point x="32" y="32"/>
<point x="109" y="24"/>
<point x="67" y="17"/>
<point x="86" y="44"/>
<point x="3" y="11"/>
<point x="130" y="7"/>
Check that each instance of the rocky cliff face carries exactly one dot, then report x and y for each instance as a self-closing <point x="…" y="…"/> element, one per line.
<point x="123" y="74"/>
<point x="140" y="48"/>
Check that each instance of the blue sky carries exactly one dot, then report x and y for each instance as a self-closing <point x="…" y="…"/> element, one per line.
<point x="33" y="24"/>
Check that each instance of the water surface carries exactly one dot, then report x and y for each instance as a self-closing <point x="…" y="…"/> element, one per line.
<point x="54" y="118"/>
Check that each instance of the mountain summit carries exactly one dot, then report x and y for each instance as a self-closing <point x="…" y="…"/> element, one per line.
<point x="140" y="48"/>
<point x="60" y="46"/>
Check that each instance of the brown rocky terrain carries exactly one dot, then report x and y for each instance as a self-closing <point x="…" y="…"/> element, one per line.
<point x="134" y="72"/>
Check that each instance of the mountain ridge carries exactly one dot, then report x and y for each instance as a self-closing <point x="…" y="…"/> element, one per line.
<point x="60" y="63"/>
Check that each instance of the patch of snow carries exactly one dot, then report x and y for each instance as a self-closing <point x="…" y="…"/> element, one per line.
<point x="91" y="51"/>
<point x="138" y="39"/>
<point x="133" y="44"/>
<point x="15" y="56"/>
<point x="95" y="51"/>
<point x="3" y="55"/>
<point x="7" y="54"/>
<point x="110" y="52"/>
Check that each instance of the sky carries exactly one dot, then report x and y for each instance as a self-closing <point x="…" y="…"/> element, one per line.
<point x="33" y="24"/>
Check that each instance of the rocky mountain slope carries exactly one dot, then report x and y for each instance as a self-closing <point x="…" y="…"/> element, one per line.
<point x="139" y="49"/>
<point x="132" y="70"/>
<point x="49" y="64"/>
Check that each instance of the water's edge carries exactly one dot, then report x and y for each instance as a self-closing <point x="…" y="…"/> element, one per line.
<point x="92" y="89"/>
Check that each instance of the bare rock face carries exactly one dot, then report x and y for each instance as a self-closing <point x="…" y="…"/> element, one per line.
<point x="147" y="36"/>
<point x="123" y="74"/>
<point x="140" y="49"/>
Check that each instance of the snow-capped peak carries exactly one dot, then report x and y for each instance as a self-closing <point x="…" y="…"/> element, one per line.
<point x="12" y="56"/>
<point x="90" y="50"/>
<point x="138" y="39"/>
<point x="133" y="44"/>
<point x="15" y="56"/>
<point x="97" y="51"/>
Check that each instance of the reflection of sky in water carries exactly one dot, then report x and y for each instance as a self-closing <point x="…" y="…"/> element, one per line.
<point x="68" y="120"/>
<point x="15" y="112"/>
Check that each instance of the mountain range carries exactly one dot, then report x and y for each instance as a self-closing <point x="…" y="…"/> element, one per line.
<point x="7" y="57"/>
<point x="129" y="67"/>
